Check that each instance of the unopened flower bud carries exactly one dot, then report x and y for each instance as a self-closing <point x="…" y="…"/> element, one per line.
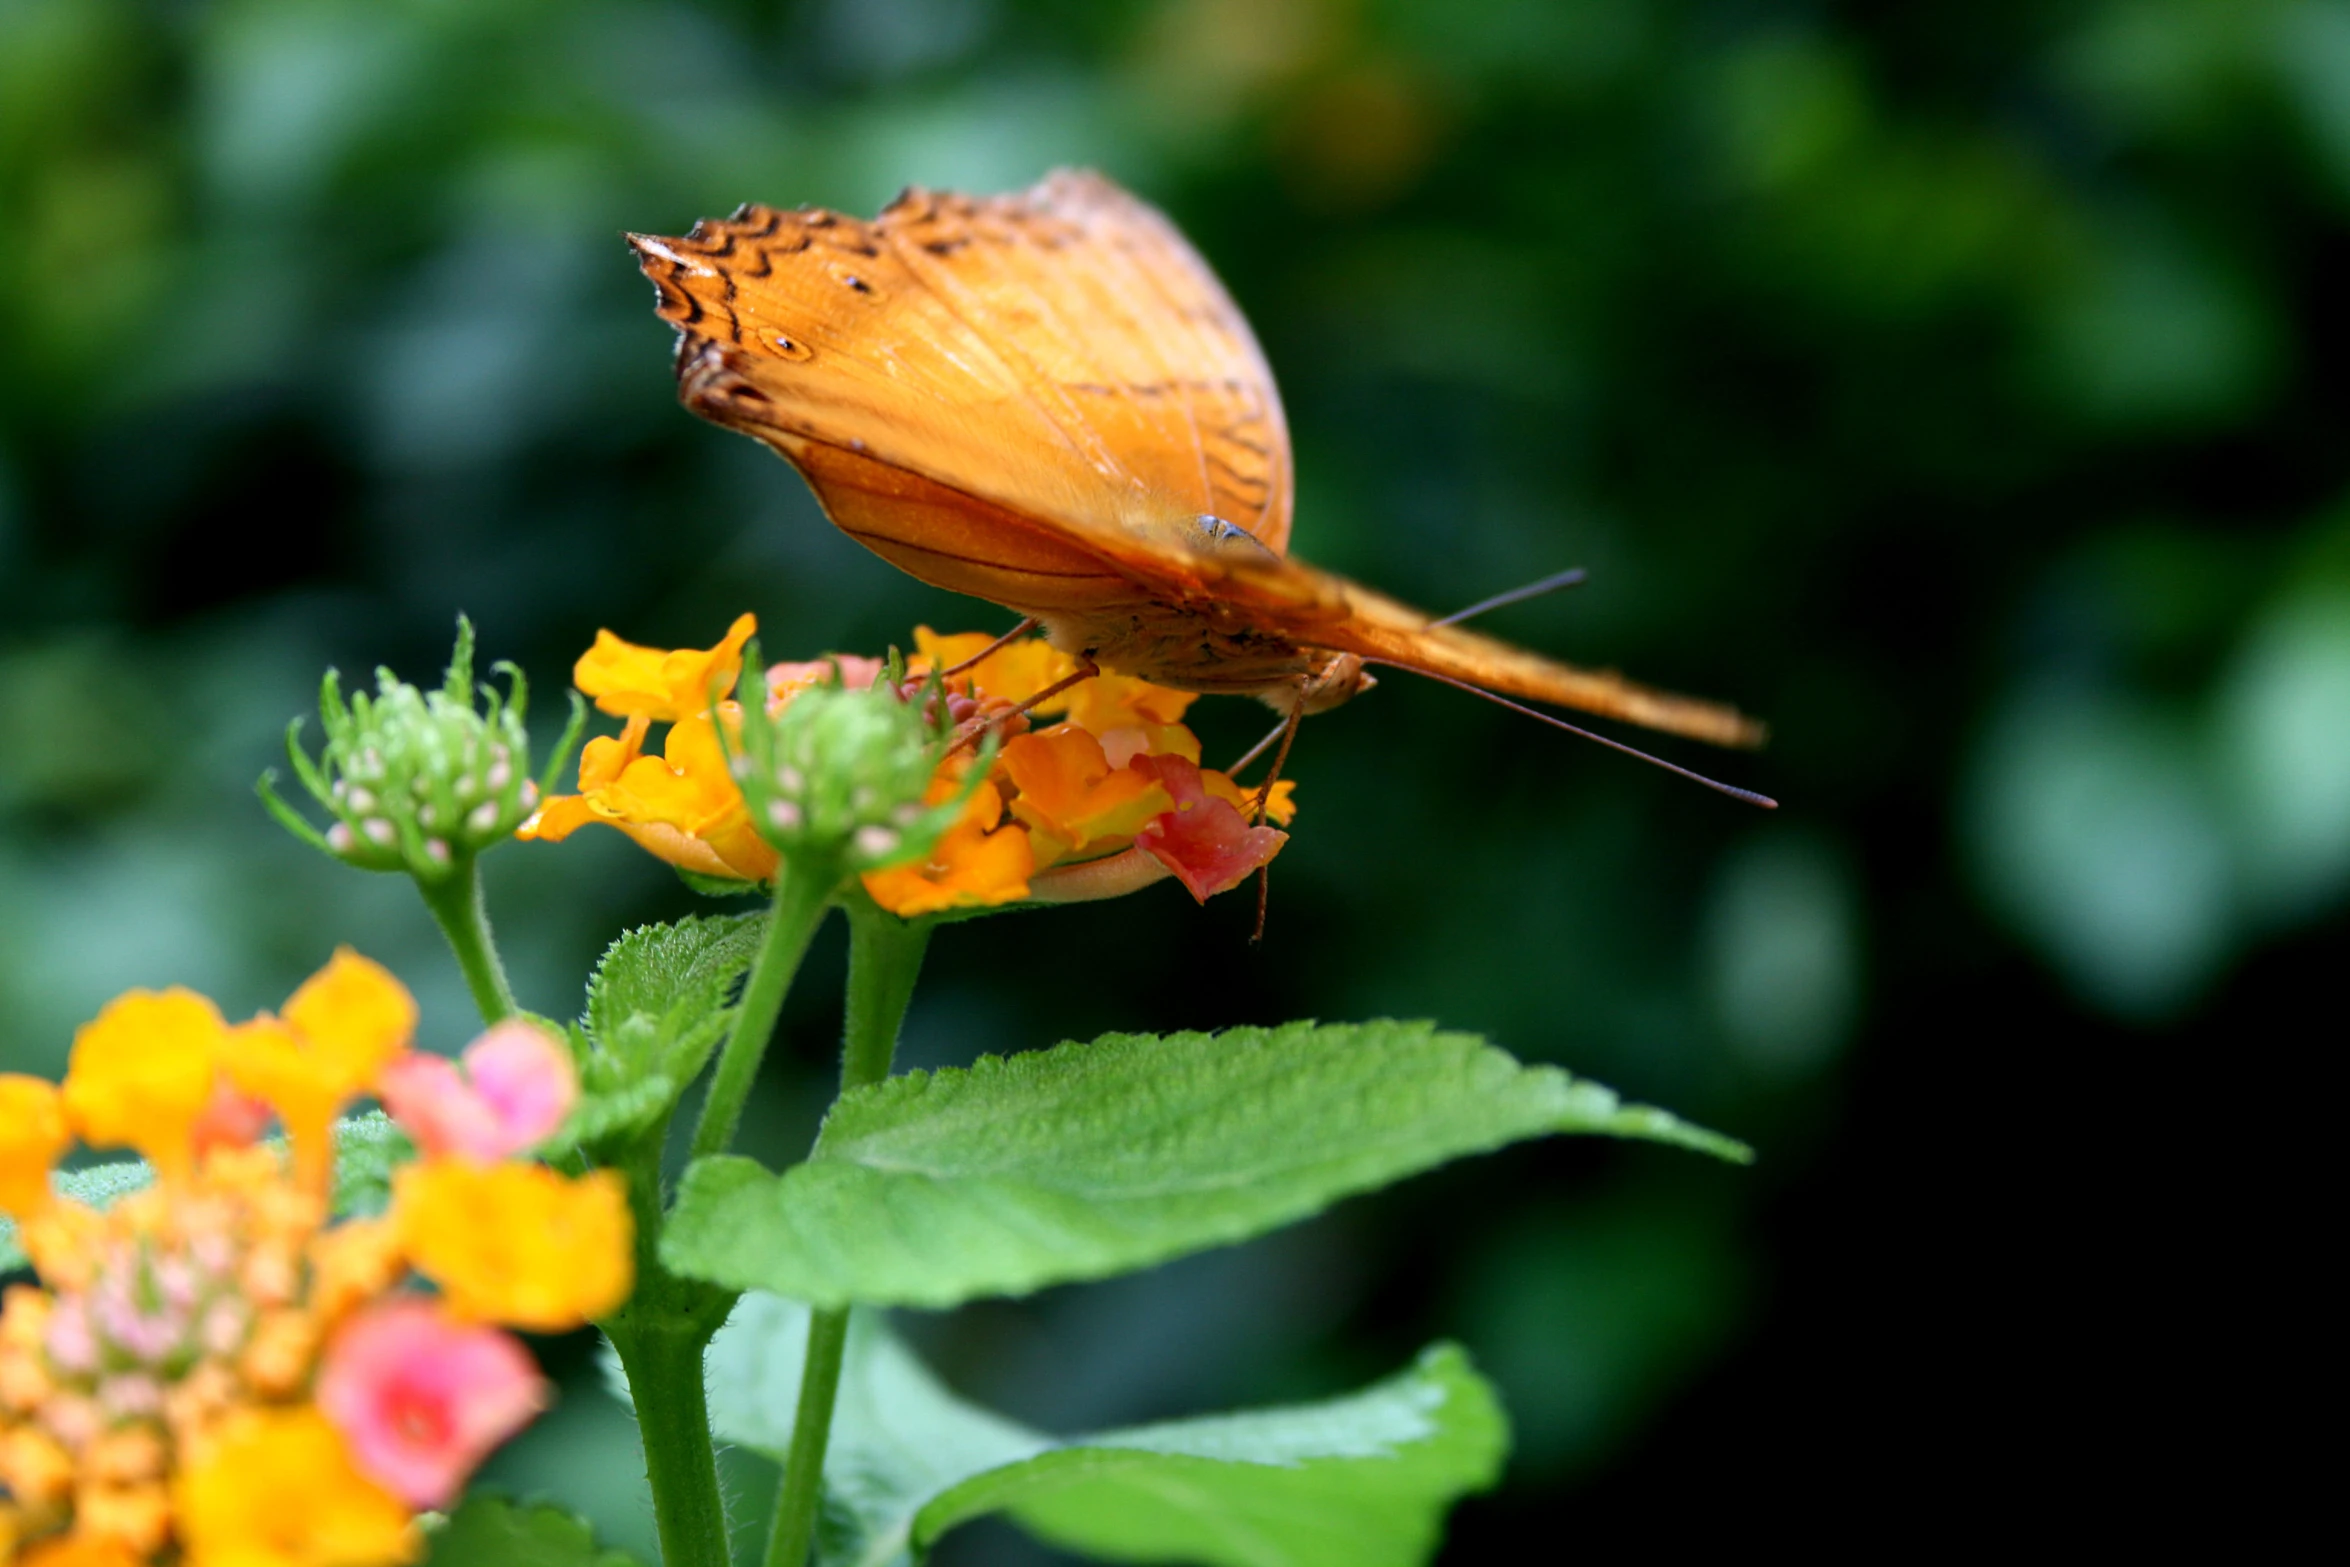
<point x="419" y="781"/>
<point x="844" y="773"/>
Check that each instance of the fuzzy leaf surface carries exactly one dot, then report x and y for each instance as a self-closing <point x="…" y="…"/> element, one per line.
<point x="1358" y="1481"/>
<point x="1094" y="1159"/>
<point x="662" y="997"/>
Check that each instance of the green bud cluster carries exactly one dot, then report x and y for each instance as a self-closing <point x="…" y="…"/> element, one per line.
<point x="420" y="781"/>
<point x="842" y="773"/>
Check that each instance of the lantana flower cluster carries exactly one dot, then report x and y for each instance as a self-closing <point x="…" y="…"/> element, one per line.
<point x="1108" y="799"/>
<point x="213" y="1372"/>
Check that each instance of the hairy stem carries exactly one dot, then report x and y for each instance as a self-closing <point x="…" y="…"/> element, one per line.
<point x="885" y="958"/>
<point x="801" y="896"/>
<point x="660" y="1334"/>
<point x="457" y="906"/>
<point x="672" y="1411"/>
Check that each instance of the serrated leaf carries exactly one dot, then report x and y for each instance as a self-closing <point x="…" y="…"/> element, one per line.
<point x="489" y="1531"/>
<point x="620" y="1112"/>
<point x="1089" y="1160"/>
<point x="367" y="1149"/>
<point x="660" y="999"/>
<point x="1358" y="1481"/>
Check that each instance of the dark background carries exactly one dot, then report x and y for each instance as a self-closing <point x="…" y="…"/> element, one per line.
<point x="1955" y="384"/>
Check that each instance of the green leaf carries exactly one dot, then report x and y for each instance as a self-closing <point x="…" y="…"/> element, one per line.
<point x="1358" y="1481"/>
<point x="613" y="1115"/>
<point x="660" y="999"/>
<point x="367" y="1149"/>
<point x="489" y="1531"/>
<point x="1090" y="1160"/>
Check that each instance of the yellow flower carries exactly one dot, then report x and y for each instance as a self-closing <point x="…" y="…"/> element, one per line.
<point x="343" y="1026"/>
<point x="1108" y="702"/>
<point x="34" y="1467"/>
<point x="278" y="1488"/>
<point x="137" y="1515"/>
<point x="629" y="681"/>
<point x="1057" y="807"/>
<point x="142" y="1071"/>
<point x="1013" y="673"/>
<point x="354" y="1013"/>
<point x="1281" y="809"/>
<point x="518" y="1243"/>
<point x="32" y="1134"/>
<point x="79" y="1550"/>
<point x="682" y="807"/>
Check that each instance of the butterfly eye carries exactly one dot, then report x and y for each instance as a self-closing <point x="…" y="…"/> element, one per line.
<point x="1217" y="534"/>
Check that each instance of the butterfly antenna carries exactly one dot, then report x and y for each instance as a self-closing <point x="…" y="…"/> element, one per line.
<point x="1569" y="578"/>
<point x="1715" y="784"/>
<point x="981" y="657"/>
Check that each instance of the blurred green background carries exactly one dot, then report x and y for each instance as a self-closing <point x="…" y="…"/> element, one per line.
<point x="1958" y="385"/>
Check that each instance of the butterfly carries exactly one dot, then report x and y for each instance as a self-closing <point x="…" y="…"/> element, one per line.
<point x="1047" y="400"/>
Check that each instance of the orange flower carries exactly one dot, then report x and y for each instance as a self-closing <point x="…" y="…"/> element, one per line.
<point x="974" y="864"/>
<point x="628" y="681"/>
<point x="1070" y="798"/>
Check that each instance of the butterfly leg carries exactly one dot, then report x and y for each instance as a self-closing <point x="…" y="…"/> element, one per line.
<point x="1264" y="801"/>
<point x="980" y="657"/>
<point x="1257" y="750"/>
<point x="1086" y="670"/>
<point x="1288" y="732"/>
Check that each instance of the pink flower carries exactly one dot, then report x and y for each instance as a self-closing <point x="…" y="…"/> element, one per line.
<point x="517" y="1086"/>
<point x="1205" y="841"/>
<point x="423" y="1399"/>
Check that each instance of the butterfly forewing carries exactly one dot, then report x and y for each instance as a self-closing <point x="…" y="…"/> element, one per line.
<point x="1060" y="353"/>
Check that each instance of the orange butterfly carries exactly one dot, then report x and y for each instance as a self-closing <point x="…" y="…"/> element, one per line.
<point x="1047" y="400"/>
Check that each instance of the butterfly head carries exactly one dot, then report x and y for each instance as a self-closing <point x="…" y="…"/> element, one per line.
<point x="1339" y="678"/>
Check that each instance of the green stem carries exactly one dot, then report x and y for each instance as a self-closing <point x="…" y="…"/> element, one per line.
<point x="672" y="1411"/>
<point x="885" y="958"/>
<point x="803" y="1468"/>
<point x="457" y="906"/>
<point x="801" y="896"/>
<point x="660" y="1334"/>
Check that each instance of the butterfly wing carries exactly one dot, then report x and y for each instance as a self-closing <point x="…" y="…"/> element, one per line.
<point x="1026" y="397"/>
